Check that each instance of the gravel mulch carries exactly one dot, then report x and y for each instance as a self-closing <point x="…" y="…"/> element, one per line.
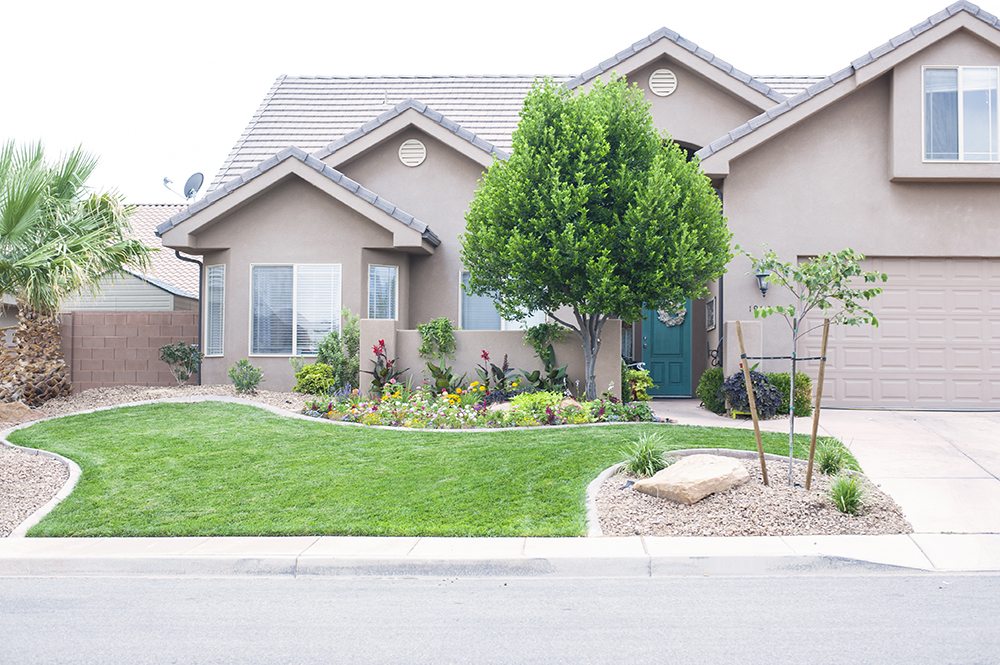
<point x="98" y="397"/>
<point x="749" y="510"/>
<point x="27" y="481"/>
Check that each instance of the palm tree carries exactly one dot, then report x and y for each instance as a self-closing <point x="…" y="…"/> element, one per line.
<point x="56" y="239"/>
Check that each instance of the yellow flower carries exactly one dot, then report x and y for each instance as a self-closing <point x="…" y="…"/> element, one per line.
<point x="458" y="391"/>
<point x="473" y="384"/>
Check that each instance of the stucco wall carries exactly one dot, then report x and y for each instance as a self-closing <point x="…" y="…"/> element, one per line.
<point x="698" y="111"/>
<point x="825" y="185"/>
<point x="958" y="49"/>
<point x="293" y="223"/>
<point x="470" y="343"/>
<point x="437" y="192"/>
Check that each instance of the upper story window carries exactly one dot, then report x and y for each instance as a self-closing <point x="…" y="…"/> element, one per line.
<point x="960" y="114"/>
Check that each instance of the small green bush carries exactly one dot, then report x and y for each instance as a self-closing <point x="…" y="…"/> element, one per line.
<point x="636" y="382"/>
<point x="847" y="494"/>
<point x="644" y="457"/>
<point x="182" y="358"/>
<point x="535" y="403"/>
<point x="245" y="377"/>
<point x="341" y="350"/>
<point x="803" y="392"/>
<point x="710" y="390"/>
<point x="315" y="379"/>
<point x="831" y="457"/>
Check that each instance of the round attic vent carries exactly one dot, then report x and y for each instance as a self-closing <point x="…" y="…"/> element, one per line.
<point x="662" y="82"/>
<point x="412" y="152"/>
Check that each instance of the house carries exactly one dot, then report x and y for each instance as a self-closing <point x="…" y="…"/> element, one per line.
<point x="352" y="192"/>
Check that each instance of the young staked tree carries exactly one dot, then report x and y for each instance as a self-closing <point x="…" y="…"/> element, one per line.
<point x="594" y="212"/>
<point x="832" y="286"/>
<point x="56" y="239"/>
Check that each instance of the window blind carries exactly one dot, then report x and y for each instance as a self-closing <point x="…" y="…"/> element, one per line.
<point x="478" y="312"/>
<point x="271" y="315"/>
<point x="215" y="308"/>
<point x="382" y="289"/>
<point x="317" y="305"/>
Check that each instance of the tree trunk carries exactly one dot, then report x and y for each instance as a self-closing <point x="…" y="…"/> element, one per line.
<point x="791" y="403"/>
<point x="590" y="335"/>
<point x="34" y="371"/>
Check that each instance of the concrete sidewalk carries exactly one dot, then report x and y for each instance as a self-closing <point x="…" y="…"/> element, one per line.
<point x="566" y="557"/>
<point x="942" y="468"/>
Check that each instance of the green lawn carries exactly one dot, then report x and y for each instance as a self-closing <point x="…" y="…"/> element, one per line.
<point x="216" y="469"/>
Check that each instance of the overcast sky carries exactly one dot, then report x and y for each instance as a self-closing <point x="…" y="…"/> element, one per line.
<point x="164" y="89"/>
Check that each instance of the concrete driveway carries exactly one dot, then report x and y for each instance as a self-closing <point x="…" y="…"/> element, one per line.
<point x="942" y="468"/>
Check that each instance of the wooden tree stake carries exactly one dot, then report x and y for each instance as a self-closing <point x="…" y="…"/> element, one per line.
<point x="819" y="399"/>
<point x="753" y="402"/>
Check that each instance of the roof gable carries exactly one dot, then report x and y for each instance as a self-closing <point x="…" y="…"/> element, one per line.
<point x="407" y="113"/>
<point x="667" y="42"/>
<point x="294" y="160"/>
<point x="961" y="15"/>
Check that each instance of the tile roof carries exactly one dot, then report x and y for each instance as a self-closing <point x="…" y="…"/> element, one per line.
<point x="401" y="108"/>
<point x="165" y="271"/>
<point x="327" y="171"/>
<point x="310" y="112"/>
<point x="686" y="44"/>
<point x="828" y="82"/>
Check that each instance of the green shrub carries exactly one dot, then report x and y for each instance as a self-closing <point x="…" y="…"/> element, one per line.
<point x="636" y="383"/>
<point x="245" y="377"/>
<point x="803" y="392"/>
<point x="315" y="379"/>
<point x="710" y="390"/>
<point x="847" y="494"/>
<point x="341" y="350"/>
<point x="831" y="457"/>
<point x="534" y="405"/>
<point x="766" y="396"/>
<point x="437" y="339"/>
<point x="644" y="457"/>
<point x="183" y="360"/>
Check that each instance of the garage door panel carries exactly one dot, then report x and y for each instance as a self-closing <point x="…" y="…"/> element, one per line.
<point x="937" y="345"/>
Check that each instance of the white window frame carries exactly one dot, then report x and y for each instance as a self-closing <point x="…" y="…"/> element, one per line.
<point x="295" y="296"/>
<point x="961" y="116"/>
<point x="221" y="353"/>
<point x="505" y="324"/>
<point x="395" y="296"/>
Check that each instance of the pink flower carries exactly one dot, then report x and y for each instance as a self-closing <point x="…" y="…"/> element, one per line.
<point x="485" y="355"/>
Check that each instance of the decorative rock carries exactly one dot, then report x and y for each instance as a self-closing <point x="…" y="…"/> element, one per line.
<point x="16" y="412"/>
<point x="694" y="477"/>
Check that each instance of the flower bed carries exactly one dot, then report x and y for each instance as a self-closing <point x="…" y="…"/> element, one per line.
<point x="472" y="406"/>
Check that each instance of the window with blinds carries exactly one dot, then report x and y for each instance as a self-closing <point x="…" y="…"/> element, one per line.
<point x="293" y="307"/>
<point x="383" y="284"/>
<point x="480" y="313"/>
<point x="215" y="309"/>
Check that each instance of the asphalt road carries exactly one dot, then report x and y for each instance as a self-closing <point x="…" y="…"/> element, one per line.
<point x="844" y="618"/>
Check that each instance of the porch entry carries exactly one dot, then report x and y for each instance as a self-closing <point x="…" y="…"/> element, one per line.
<point x="666" y="351"/>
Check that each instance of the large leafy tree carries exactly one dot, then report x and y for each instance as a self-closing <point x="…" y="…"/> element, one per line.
<point x="56" y="239"/>
<point x="595" y="215"/>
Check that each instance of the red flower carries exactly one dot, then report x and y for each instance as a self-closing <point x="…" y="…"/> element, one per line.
<point x="375" y="349"/>
<point x="485" y="355"/>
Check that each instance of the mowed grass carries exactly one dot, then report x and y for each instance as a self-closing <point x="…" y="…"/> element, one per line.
<point x="216" y="469"/>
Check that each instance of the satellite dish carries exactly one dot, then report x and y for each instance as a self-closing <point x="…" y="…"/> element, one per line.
<point x="193" y="184"/>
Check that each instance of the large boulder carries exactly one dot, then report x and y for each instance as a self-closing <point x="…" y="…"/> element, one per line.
<point x="16" y="412"/>
<point x="694" y="477"/>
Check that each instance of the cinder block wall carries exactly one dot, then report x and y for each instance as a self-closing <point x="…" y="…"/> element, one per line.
<point x="105" y="349"/>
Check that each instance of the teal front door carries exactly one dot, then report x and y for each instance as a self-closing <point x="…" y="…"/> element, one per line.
<point x="666" y="350"/>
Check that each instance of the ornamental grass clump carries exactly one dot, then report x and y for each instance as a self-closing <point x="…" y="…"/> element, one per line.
<point x="644" y="457"/>
<point x="847" y="494"/>
<point x="831" y="458"/>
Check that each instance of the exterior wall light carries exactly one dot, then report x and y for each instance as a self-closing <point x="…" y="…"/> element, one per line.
<point x="762" y="282"/>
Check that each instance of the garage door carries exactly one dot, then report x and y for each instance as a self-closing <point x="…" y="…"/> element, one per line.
<point x="937" y="345"/>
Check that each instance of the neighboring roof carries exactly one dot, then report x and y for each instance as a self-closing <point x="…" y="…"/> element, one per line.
<point x="166" y="271"/>
<point x="328" y="172"/>
<point x="395" y="112"/>
<point x="829" y="82"/>
<point x="788" y="85"/>
<point x="310" y="112"/>
<point x="686" y="44"/>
